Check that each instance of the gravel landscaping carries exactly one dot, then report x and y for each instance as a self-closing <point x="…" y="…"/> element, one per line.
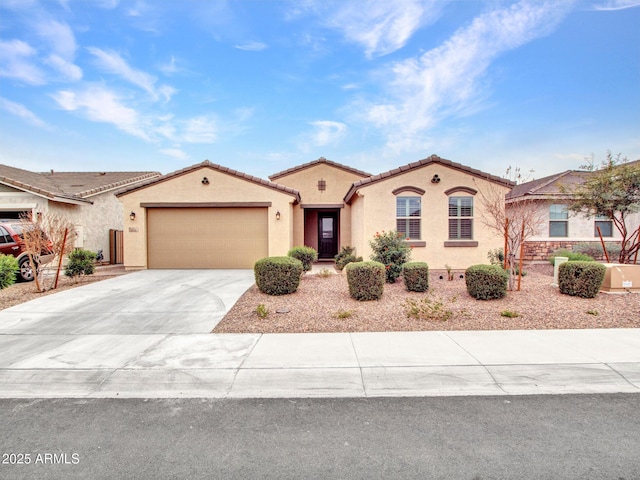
<point x="324" y="305"/>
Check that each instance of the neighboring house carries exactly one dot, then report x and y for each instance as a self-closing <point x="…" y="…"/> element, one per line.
<point x="209" y="216"/>
<point x="560" y="228"/>
<point x="85" y="198"/>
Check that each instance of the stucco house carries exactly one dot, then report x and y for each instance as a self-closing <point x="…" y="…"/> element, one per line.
<point x="560" y="228"/>
<point x="210" y="216"/>
<point x="86" y="198"/>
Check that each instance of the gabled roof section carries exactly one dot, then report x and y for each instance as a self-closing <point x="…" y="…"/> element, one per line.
<point x="319" y="161"/>
<point x="421" y="163"/>
<point x="87" y="184"/>
<point x="69" y="187"/>
<point x="219" y="168"/>
<point x="548" y="187"/>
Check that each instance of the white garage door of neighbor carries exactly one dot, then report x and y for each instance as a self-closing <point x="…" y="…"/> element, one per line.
<point x="206" y="237"/>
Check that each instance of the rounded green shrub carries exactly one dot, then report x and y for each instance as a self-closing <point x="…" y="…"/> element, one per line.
<point x="278" y="275"/>
<point x="80" y="263"/>
<point x="8" y="269"/>
<point x="572" y="256"/>
<point x="416" y="276"/>
<point x="366" y="280"/>
<point x="485" y="282"/>
<point x="346" y="256"/>
<point x="346" y="260"/>
<point x="581" y="279"/>
<point x="306" y="255"/>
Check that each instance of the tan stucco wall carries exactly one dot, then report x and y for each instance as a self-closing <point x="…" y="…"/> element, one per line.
<point x="338" y="181"/>
<point x="188" y="188"/>
<point x="580" y="228"/>
<point x="375" y="210"/>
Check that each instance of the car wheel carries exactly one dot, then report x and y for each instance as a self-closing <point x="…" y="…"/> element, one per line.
<point x="25" y="273"/>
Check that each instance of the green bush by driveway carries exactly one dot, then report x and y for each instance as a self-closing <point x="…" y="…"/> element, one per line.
<point x="278" y="275"/>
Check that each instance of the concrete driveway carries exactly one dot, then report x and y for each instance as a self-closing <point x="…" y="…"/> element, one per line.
<point x="145" y="302"/>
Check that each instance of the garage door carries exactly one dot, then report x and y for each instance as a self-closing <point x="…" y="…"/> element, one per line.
<point x="206" y="237"/>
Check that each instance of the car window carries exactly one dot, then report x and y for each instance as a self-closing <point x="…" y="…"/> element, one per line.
<point x="4" y="236"/>
<point x="18" y="229"/>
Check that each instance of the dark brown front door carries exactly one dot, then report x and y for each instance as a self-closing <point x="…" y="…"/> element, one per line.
<point x="327" y="234"/>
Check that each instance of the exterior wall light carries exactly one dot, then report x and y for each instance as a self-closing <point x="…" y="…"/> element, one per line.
<point x="205" y="181"/>
<point x="132" y="216"/>
<point x="278" y="215"/>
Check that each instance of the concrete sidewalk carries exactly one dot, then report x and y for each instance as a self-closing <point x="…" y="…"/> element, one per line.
<point x="320" y="365"/>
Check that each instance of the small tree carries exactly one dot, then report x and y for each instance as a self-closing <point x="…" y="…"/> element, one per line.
<point x="392" y="250"/>
<point x="48" y="234"/>
<point x="516" y="222"/>
<point x="612" y="190"/>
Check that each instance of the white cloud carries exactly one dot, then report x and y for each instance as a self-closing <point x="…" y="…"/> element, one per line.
<point x="67" y="69"/>
<point x="616" y="4"/>
<point x="175" y="153"/>
<point x="59" y="37"/>
<point x="99" y="104"/>
<point x="170" y="67"/>
<point x="252" y="46"/>
<point x="383" y="26"/>
<point x="16" y="62"/>
<point x="325" y="132"/>
<point x="202" y="129"/>
<point x="22" y="112"/>
<point x="112" y="62"/>
<point x="446" y="81"/>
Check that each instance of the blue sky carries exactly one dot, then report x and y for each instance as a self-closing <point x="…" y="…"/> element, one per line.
<point x="264" y="85"/>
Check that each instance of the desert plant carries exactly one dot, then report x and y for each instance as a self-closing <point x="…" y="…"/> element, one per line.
<point x="392" y="250"/>
<point x="593" y="312"/>
<point x="80" y="264"/>
<point x="306" y="255"/>
<point x="342" y="314"/>
<point x="581" y="279"/>
<point x="572" y="256"/>
<point x="496" y="256"/>
<point x="427" y="309"/>
<point x="324" y="273"/>
<point x="509" y="314"/>
<point x="278" y="275"/>
<point x="485" y="282"/>
<point x="366" y="280"/>
<point x="594" y="249"/>
<point x="346" y="256"/>
<point x="416" y="276"/>
<point x="262" y="311"/>
<point x="8" y="269"/>
<point x="449" y="272"/>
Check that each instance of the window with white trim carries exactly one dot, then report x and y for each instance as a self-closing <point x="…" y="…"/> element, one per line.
<point x="408" y="216"/>
<point x="605" y="224"/>
<point x="460" y="218"/>
<point x="558" y="220"/>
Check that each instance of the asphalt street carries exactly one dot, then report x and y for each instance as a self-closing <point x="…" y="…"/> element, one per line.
<point x="475" y="438"/>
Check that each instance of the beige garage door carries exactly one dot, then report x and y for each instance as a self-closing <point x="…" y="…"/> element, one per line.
<point x="206" y="237"/>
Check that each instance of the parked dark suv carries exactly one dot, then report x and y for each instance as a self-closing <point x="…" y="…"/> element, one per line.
<point x="11" y="234"/>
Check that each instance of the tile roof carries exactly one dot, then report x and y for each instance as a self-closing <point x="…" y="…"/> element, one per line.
<point x="421" y="163"/>
<point x="220" y="168"/>
<point x="68" y="187"/>
<point x="548" y="187"/>
<point x="319" y="161"/>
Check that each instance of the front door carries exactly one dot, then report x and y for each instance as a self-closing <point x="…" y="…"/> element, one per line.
<point x="327" y="234"/>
